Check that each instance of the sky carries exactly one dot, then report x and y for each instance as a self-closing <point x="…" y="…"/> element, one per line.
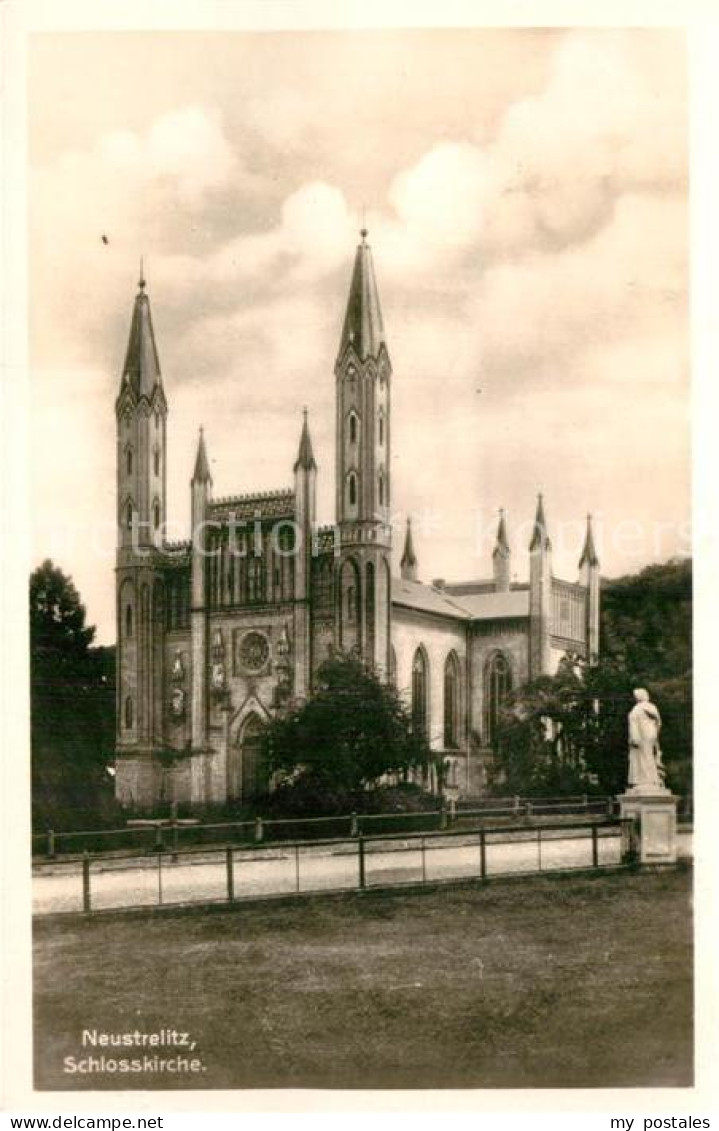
<point x="525" y="193"/>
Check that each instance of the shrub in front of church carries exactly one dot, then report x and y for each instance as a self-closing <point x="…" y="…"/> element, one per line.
<point x="352" y="736"/>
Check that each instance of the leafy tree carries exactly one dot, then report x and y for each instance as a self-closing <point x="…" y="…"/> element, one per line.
<point x="72" y="697"/>
<point x="352" y="732"/>
<point x="568" y="733"/>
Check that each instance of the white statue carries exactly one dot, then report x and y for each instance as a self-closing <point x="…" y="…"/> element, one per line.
<point x="177" y="702"/>
<point x="218" y="676"/>
<point x="646" y="771"/>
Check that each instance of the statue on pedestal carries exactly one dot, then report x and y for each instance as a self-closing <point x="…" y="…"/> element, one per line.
<point x="646" y="770"/>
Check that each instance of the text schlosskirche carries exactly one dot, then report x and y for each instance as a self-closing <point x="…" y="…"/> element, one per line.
<point x="163" y="1051"/>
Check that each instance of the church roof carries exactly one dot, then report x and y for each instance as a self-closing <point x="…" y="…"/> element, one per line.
<point x="142" y="364"/>
<point x="363" y="328"/>
<point x="496" y="606"/>
<point x="474" y="606"/>
<point x="425" y="599"/>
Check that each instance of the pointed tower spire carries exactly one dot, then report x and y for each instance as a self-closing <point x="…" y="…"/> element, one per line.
<point x="589" y="553"/>
<point x="502" y="543"/>
<point x="501" y="556"/>
<point x="408" y="565"/>
<point x="363" y="328"/>
<point x="202" y="467"/>
<point x="305" y="456"/>
<point x="142" y="366"/>
<point x="540" y="538"/>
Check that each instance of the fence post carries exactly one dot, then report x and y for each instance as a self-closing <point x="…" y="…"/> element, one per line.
<point x="354" y="825"/>
<point x="86" y="882"/>
<point x="230" y="875"/>
<point x="529" y="809"/>
<point x="50" y="842"/>
<point x="297" y="866"/>
<point x="452" y="810"/>
<point x="360" y="854"/>
<point x="159" y="839"/>
<point x="595" y="846"/>
<point x="516" y="804"/>
<point x="610" y="806"/>
<point x="443" y="815"/>
<point x="585" y="801"/>
<point x="424" y="864"/>
<point x="259" y="831"/>
<point x="482" y="854"/>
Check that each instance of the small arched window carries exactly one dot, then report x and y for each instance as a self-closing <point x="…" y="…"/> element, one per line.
<point x="129" y="461"/>
<point x="157" y="461"/>
<point x="128" y="621"/>
<point x="128" y="516"/>
<point x="128" y="713"/>
<point x="381" y="429"/>
<point x="381" y="490"/>
<point x="353" y="429"/>
<point x="353" y="490"/>
<point x="156" y="514"/>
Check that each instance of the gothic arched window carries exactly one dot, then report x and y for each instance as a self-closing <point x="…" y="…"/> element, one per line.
<point x="451" y="700"/>
<point x="128" y="713"/>
<point x="353" y="428"/>
<point x="381" y="428"/>
<point x="380" y="489"/>
<point x="129" y="461"/>
<point x="157" y="461"/>
<point x="128" y="621"/>
<point x="128" y="516"/>
<point x="255" y="580"/>
<point x="497" y="686"/>
<point x="352" y="487"/>
<point x="156" y="514"/>
<point x="420" y="686"/>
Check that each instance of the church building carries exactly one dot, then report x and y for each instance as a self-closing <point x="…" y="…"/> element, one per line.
<point x="217" y="633"/>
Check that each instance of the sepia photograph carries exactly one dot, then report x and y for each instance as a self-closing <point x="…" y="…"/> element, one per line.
<point x="360" y="593"/>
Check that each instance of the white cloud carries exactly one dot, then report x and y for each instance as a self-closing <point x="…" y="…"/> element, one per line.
<point x="186" y="146"/>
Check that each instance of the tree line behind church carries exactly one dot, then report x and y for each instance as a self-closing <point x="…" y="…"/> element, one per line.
<point x="559" y="735"/>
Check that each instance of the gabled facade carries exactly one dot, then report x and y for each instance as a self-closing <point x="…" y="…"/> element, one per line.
<point x="217" y="633"/>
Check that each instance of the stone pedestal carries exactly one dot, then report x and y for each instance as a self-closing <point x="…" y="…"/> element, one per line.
<point x="652" y="834"/>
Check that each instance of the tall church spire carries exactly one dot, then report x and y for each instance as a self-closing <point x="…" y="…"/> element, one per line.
<point x="502" y="544"/>
<point x="141" y="370"/>
<point x="202" y="467"/>
<point x="408" y="565"/>
<point x="589" y="553"/>
<point x="540" y="538"/>
<point x="363" y="328"/>
<point x="501" y="556"/>
<point x="305" y="456"/>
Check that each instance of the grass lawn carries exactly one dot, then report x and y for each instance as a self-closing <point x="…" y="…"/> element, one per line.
<point x="564" y="981"/>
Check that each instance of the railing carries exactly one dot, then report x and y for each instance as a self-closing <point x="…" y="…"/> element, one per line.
<point x="304" y="866"/>
<point x="170" y="835"/>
